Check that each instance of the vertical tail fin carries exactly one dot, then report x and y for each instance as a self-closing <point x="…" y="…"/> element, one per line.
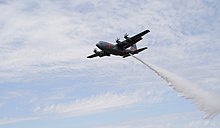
<point x="133" y="47"/>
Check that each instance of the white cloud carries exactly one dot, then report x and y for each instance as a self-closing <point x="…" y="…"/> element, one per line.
<point x="181" y="120"/>
<point x="44" y="39"/>
<point x="80" y="107"/>
<point x="14" y="120"/>
<point x="94" y="104"/>
<point x="52" y="37"/>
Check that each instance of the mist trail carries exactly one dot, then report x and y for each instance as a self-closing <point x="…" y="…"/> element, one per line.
<point x="206" y="101"/>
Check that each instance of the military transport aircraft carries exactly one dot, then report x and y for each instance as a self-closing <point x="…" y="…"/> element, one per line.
<point x="121" y="47"/>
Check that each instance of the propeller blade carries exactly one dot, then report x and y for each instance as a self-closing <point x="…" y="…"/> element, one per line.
<point x="125" y="35"/>
<point x="95" y="50"/>
<point x="117" y="40"/>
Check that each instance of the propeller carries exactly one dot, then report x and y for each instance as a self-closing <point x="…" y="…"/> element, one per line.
<point x="117" y="40"/>
<point x="95" y="50"/>
<point x="126" y="36"/>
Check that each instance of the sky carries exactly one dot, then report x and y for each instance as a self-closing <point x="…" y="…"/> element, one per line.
<point x="47" y="81"/>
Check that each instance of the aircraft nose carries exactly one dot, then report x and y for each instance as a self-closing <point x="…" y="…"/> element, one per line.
<point x="98" y="45"/>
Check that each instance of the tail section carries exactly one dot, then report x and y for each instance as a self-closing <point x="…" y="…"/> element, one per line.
<point x="138" y="50"/>
<point x="135" y="51"/>
<point x="133" y="47"/>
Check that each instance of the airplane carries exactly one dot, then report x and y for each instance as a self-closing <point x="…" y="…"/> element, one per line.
<point x="121" y="47"/>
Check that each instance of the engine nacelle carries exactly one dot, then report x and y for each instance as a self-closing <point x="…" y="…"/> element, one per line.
<point x="118" y="42"/>
<point x="126" y="36"/>
<point x="95" y="50"/>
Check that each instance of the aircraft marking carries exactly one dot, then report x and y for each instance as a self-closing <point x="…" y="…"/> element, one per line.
<point x="109" y="46"/>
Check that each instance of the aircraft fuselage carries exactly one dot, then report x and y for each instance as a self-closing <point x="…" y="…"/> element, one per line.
<point x="121" y="48"/>
<point x="112" y="49"/>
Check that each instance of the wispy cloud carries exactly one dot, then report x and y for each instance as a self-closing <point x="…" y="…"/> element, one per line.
<point x="166" y="121"/>
<point x="49" y="37"/>
<point x="89" y="105"/>
<point x="15" y="120"/>
<point x="44" y="44"/>
<point x="93" y="104"/>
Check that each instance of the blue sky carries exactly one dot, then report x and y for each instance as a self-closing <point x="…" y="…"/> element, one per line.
<point x="46" y="80"/>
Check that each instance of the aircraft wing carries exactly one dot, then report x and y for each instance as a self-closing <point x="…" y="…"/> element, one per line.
<point x="100" y="54"/>
<point x="132" y="40"/>
<point x="93" y="55"/>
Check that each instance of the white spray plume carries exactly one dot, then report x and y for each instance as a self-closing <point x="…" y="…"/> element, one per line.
<point x="207" y="102"/>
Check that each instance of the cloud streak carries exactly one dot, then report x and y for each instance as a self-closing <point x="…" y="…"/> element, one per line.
<point x="15" y="120"/>
<point x="44" y="44"/>
<point x="93" y="104"/>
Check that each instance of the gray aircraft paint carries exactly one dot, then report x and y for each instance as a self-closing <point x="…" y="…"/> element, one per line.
<point x="121" y="48"/>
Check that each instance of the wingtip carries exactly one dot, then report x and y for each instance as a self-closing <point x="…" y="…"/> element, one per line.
<point x="146" y="31"/>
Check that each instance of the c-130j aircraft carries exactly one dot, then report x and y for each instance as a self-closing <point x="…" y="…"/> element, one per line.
<point x="121" y="47"/>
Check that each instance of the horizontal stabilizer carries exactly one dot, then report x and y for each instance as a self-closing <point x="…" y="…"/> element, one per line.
<point x="135" y="52"/>
<point x="139" y="50"/>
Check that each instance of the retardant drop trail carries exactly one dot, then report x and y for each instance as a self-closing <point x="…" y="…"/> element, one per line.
<point x="207" y="102"/>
